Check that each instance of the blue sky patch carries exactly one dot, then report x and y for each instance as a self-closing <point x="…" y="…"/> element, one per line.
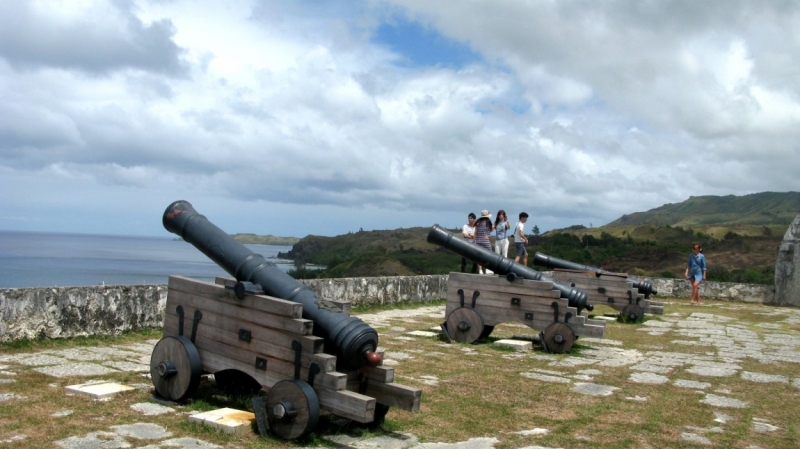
<point x="422" y="46"/>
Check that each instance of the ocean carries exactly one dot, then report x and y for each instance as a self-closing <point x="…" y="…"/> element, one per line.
<point x="33" y="259"/>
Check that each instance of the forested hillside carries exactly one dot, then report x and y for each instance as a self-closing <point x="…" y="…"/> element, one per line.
<point x="741" y="249"/>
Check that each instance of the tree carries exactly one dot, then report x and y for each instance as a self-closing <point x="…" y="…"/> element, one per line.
<point x="535" y="230"/>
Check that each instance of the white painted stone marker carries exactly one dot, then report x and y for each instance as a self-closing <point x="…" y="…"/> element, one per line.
<point x="99" y="390"/>
<point x="227" y="419"/>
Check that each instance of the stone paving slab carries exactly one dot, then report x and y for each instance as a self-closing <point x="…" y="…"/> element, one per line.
<point x="40" y="359"/>
<point x="693" y="384"/>
<point x="722" y="401"/>
<point x="514" y="344"/>
<point x="75" y="369"/>
<point x="591" y="389"/>
<point x="423" y="334"/>
<point x="150" y="409"/>
<point x="10" y="396"/>
<point x="126" y="366"/>
<point x="121" y="436"/>
<point x="645" y="377"/>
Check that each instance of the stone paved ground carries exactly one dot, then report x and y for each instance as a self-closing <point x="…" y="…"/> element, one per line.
<point x="700" y="350"/>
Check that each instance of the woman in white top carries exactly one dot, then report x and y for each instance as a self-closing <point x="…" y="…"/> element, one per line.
<point x="501" y="227"/>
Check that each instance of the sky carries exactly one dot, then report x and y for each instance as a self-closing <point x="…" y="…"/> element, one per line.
<point x="293" y="118"/>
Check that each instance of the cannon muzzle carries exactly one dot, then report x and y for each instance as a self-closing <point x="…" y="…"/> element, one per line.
<point x="504" y="266"/>
<point x="644" y="287"/>
<point x="352" y="341"/>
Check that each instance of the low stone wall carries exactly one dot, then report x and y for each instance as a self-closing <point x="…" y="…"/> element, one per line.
<point x="381" y="290"/>
<point x="54" y="312"/>
<point x="60" y="312"/>
<point x="727" y="291"/>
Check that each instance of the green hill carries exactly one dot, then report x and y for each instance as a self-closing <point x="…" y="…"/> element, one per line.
<point x="254" y="239"/>
<point x="398" y="252"/>
<point x="740" y="236"/>
<point x="758" y="209"/>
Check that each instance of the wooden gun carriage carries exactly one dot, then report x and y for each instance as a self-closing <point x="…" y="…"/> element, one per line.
<point x="476" y="303"/>
<point x="629" y="296"/>
<point x="248" y="336"/>
<point x="613" y="290"/>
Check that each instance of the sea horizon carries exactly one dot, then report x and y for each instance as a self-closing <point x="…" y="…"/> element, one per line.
<point x="58" y="259"/>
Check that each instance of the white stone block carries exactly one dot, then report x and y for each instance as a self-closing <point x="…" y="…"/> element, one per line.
<point x="227" y="419"/>
<point x="99" y="390"/>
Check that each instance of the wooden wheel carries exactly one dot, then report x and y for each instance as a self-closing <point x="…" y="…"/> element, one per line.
<point x="558" y="338"/>
<point x="292" y="408"/>
<point x="175" y="368"/>
<point x="464" y="325"/>
<point x="632" y="313"/>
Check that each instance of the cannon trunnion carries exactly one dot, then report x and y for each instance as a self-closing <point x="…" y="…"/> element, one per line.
<point x="308" y="352"/>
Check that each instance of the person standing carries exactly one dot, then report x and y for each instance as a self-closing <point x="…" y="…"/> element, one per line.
<point x="519" y="239"/>
<point x="696" y="271"/>
<point x="468" y="232"/>
<point x="501" y="231"/>
<point x="483" y="229"/>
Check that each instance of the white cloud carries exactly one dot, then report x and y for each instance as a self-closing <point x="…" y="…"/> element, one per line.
<point x="578" y="112"/>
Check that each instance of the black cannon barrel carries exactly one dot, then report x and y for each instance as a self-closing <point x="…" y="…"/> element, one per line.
<point x="503" y="265"/>
<point x="644" y="287"/>
<point x="352" y="341"/>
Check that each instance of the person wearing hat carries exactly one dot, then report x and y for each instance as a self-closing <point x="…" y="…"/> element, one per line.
<point x="483" y="229"/>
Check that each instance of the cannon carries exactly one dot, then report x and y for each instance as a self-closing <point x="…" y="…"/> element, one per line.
<point x="350" y="339"/>
<point x="477" y="303"/>
<point x="630" y="296"/>
<point x="644" y="287"/>
<point x="265" y="329"/>
<point x="503" y="265"/>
